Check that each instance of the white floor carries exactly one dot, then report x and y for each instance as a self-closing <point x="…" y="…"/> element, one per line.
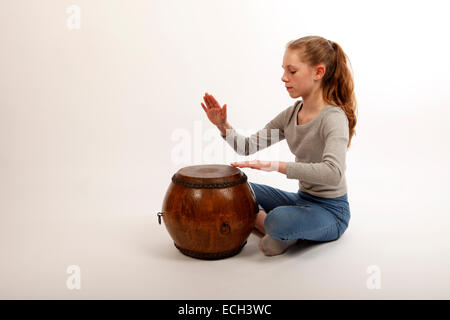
<point x="134" y="258"/>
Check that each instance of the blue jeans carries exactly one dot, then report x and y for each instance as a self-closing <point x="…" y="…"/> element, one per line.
<point x="300" y="215"/>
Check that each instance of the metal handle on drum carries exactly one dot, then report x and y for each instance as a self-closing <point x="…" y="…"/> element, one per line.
<point x="160" y="214"/>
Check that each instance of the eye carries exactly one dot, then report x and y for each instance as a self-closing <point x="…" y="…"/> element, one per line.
<point x="292" y="72"/>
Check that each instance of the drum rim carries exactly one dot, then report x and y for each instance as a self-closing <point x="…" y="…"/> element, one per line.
<point x="209" y="185"/>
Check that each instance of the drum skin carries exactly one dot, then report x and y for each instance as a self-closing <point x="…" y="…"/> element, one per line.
<point x="209" y="211"/>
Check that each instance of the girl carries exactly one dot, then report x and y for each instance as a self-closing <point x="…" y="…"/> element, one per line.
<point x="318" y="130"/>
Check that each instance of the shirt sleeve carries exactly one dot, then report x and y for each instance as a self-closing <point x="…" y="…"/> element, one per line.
<point x="331" y="170"/>
<point x="272" y="133"/>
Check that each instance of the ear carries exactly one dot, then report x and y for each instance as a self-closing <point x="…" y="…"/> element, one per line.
<point x="319" y="72"/>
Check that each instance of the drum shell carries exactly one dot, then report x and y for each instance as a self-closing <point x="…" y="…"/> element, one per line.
<point x="209" y="222"/>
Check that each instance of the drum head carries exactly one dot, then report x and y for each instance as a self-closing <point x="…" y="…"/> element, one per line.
<point x="209" y="176"/>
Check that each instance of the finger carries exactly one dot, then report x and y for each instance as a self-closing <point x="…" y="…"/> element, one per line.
<point x="239" y="164"/>
<point x="216" y="104"/>
<point x="210" y="102"/>
<point x="205" y="98"/>
<point x="204" y="108"/>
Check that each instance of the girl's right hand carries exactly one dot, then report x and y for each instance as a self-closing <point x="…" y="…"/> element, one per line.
<point x="216" y="114"/>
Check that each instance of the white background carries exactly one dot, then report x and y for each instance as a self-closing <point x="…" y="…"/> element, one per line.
<point x="88" y="120"/>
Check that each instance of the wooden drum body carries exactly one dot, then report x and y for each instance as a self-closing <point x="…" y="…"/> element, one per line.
<point x="209" y="211"/>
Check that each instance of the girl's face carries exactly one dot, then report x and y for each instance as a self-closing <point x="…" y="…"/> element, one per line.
<point x="299" y="78"/>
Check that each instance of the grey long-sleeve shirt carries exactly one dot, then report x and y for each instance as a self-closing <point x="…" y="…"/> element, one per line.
<point x="320" y="148"/>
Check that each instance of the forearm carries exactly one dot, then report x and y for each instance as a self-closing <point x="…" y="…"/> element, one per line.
<point x="282" y="166"/>
<point x="223" y="128"/>
<point x="325" y="172"/>
<point x="249" y="145"/>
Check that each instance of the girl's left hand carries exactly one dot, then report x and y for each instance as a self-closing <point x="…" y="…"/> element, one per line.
<point x="257" y="164"/>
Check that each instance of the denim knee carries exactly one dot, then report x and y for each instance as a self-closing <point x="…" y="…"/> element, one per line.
<point x="278" y="225"/>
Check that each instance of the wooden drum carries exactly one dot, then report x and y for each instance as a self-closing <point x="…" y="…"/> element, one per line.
<point x="209" y="211"/>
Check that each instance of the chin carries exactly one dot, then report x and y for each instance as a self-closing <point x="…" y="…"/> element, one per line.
<point x="294" y="95"/>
